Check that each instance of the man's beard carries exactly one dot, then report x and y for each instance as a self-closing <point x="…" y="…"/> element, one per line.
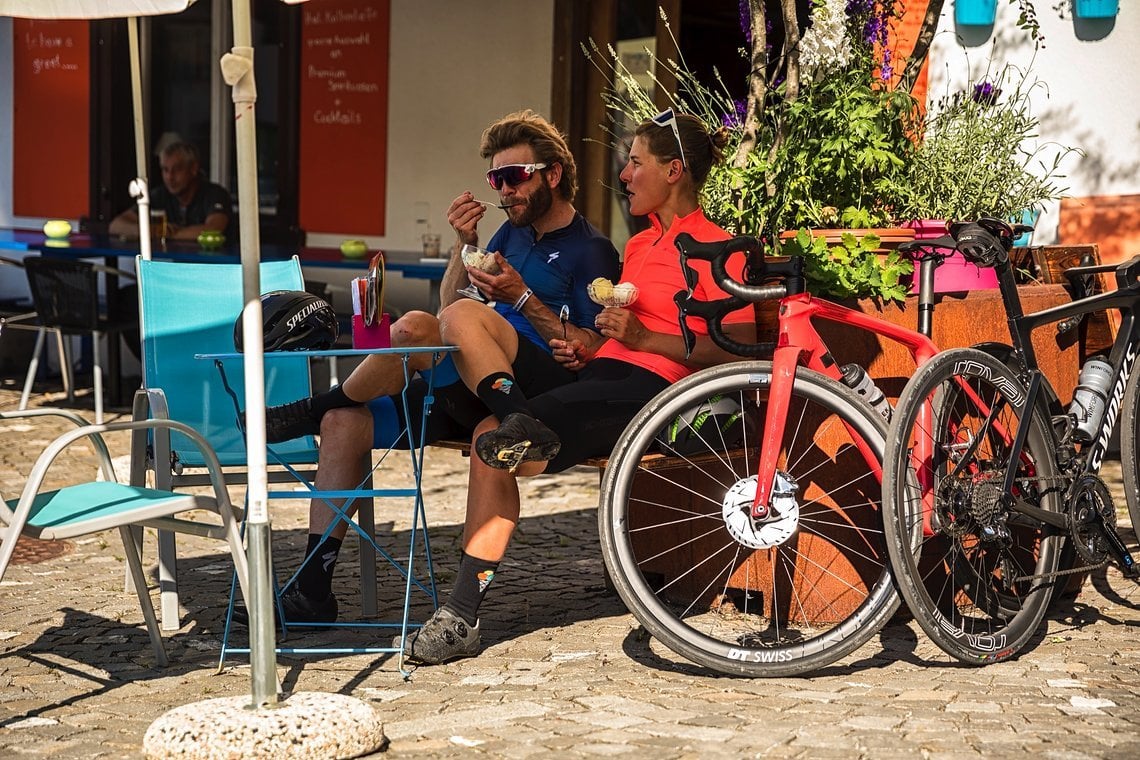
<point x="535" y="207"/>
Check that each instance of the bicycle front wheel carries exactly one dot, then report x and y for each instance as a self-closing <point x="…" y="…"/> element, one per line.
<point x="776" y="598"/>
<point x="976" y="572"/>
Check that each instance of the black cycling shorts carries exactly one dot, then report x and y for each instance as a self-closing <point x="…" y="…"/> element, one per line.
<point x="455" y="410"/>
<point x="589" y="415"/>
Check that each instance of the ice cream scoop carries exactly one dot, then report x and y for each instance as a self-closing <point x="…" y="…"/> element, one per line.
<point x="605" y="293"/>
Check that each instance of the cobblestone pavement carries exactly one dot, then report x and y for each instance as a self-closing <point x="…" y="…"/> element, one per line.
<point x="566" y="670"/>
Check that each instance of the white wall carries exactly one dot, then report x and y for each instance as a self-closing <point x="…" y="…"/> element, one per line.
<point x="1091" y="103"/>
<point x="6" y="123"/>
<point x="453" y="69"/>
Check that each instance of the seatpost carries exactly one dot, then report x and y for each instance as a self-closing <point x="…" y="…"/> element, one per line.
<point x="926" y="267"/>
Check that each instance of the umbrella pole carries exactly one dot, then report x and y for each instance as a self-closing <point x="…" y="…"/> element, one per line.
<point x="237" y="70"/>
<point x="139" y="186"/>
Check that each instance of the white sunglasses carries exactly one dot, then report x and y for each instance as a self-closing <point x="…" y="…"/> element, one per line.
<point x="668" y="119"/>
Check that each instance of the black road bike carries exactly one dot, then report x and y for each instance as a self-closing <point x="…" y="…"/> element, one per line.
<point x="976" y="524"/>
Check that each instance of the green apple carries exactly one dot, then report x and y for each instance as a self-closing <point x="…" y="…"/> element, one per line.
<point x="353" y="249"/>
<point x="57" y="228"/>
<point x="211" y="239"/>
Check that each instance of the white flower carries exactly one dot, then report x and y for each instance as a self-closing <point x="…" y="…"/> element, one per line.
<point x="825" y="46"/>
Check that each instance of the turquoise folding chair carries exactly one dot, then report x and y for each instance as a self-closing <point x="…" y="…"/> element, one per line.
<point x="92" y="506"/>
<point x="188" y="310"/>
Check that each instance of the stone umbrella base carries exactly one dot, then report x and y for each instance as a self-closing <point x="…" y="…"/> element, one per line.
<point x="303" y="725"/>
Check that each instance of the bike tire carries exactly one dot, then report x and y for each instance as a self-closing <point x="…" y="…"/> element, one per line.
<point x="1130" y="448"/>
<point x="956" y="576"/>
<point x="818" y="593"/>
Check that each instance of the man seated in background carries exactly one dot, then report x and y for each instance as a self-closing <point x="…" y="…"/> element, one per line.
<point x="191" y="203"/>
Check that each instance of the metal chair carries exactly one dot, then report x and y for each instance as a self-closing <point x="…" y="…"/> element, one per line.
<point x="189" y="309"/>
<point x="92" y="506"/>
<point x="16" y="309"/>
<point x="65" y="293"/>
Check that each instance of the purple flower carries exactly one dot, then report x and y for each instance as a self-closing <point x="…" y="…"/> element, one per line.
<point x="986" y="94"/>
<point x="746" y="21"/>
<point x="876" y="30"/>
<point x="736" y="118"/>
<point x="886" y="70"/>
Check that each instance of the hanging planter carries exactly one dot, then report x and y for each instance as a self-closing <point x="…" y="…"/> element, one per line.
<point x="1096" y="8"/>
<point x="975" y="12"/>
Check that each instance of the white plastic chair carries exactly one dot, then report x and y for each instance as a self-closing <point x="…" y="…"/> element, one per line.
<point x="92" y="506"/>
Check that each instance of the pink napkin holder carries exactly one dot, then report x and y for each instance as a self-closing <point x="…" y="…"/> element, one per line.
<point x="375" y="336"/>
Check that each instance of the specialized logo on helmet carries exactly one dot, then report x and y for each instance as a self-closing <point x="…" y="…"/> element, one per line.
<point x="300" y="316"/>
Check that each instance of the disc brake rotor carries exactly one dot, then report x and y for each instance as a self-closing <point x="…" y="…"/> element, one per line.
<point x="783" y="518"/>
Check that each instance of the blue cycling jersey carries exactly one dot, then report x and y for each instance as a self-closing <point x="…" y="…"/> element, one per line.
<point x="557" y="267"/>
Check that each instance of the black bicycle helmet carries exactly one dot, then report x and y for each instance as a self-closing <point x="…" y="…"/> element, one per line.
<point x="294" y="321"/>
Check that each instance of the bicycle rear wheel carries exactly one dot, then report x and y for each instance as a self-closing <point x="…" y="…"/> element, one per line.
<point x="1129" y="445"/>
<point x="785" y="597"/>
<point x="976" y="573"/>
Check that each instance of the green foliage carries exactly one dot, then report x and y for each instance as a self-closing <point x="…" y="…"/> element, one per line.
<point x="847" y="142"/>
<point x="851" y="268"/>
<point x="978" y="156"/>
<point x="834" y="146"/>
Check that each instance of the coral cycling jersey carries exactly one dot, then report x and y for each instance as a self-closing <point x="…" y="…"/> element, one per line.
<point x="652" y="263"/>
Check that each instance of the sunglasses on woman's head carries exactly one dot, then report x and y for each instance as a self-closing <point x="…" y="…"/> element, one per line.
<point x="668" y="119"/>
<point x="512" y="174"/>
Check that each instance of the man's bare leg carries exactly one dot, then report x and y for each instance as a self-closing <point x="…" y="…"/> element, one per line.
<point x="346" y="441"/>
<point x="378" y="375"/>
<point x="383" y="374"/>
<point x="493" y="508"/>
<point x="487" y="343"/>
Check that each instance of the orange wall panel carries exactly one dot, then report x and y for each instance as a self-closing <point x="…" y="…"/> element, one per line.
<point x="1110" y="221"/>
<point x="344" y="116"/>
<point x="51" y="119"/>
<point x="903" y="35"/>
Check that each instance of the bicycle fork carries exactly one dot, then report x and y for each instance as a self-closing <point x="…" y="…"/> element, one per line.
<point x="771" y="483"/>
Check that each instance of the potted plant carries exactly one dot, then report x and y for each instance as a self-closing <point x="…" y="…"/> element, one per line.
<point x="813" y="146"/>
<point x="823" y="137"/>
<point x="977" y="157"/>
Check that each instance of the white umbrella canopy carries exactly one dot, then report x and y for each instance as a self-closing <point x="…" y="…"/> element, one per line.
<point x="90" y="8"/>
<point x="237" y="70"/>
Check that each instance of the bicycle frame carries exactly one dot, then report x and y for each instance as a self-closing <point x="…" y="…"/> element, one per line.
<point x="1122" y="356"/>
<point x="799" y="344"/>
<point x="1021" y="326"/>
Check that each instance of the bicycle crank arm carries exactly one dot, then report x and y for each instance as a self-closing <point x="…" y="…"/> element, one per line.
<point x="1119" y="552"/>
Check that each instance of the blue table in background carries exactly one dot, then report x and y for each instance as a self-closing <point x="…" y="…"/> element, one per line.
<point x="111" y="249"/>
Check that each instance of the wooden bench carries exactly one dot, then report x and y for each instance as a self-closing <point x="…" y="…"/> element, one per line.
<point x="464" y="447"/>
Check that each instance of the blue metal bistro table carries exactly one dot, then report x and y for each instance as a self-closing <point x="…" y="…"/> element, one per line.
<point x="418" y="536"/>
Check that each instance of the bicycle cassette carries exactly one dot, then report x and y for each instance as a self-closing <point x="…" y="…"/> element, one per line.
<point x="1091" y="515"/>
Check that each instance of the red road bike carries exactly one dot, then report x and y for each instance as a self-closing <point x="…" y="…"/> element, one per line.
<point x="740" y="516"/>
